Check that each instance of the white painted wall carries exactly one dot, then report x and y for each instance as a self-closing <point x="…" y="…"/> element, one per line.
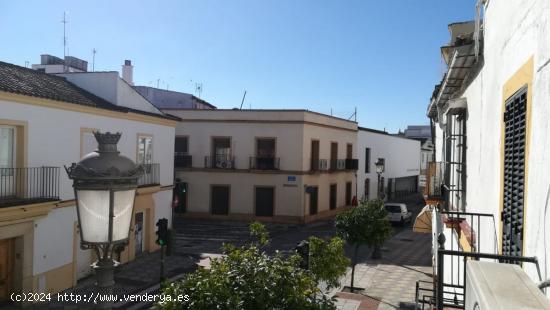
<point x="402" y="158"/>
<point x="514" y="31"/>
<point x="54" y="140"/>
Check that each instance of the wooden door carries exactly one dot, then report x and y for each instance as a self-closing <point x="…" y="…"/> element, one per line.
<point x="220" y="200"/>
<point x="6" y="267"/>
<point x="332" y="198"/>
<point x="313" y="200"/>
<point x="264" y="201"/>
<point x="315" y="155"/>
<point x="333" y="155"/>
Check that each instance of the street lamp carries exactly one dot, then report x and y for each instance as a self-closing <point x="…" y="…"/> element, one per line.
<point x="105" y="185"/>
<point x="380" y="168"/>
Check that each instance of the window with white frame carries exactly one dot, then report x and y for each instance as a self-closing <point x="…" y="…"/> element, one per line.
<point x="145" y="150"/>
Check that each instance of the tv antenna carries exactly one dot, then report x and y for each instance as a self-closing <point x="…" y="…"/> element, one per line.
<point x="94" y="51"/>
<point x="198" y="89"/>
<point x="64" y="21"/>
<point x="242" y="101"/>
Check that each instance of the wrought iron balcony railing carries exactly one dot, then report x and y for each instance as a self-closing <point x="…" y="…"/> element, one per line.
<point x="183" y="160"/>
<point x="264" y="163"/>
<point x="319" y="164"/>
<point x="219" y="162"/>
<point x="28" y="185"/>
<point x="337" y="164"/>
<point x="151" y="175"/>
<point x="352" y="164"/>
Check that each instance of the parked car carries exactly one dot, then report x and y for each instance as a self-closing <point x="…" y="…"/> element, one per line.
<point x="398" y="213"/>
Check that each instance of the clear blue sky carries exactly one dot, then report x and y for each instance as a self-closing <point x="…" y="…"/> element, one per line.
<point x="379" y="56"/>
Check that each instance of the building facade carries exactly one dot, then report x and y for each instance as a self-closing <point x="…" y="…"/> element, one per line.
<point x="401" y="158"/>
<point x="46" y="123"/>
<point x="274" y="165"/>
<point x="491" y="118"/>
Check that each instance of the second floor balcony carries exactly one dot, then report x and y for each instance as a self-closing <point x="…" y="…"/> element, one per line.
<point x="219" y="162"/>
<point x="183" y="160"/>
<point x="19" y="186"/>
<point x="264" y="163"/>
<point x="151" y="175"/>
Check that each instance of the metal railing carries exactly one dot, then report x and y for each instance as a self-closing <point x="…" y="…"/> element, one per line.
<point x="351" y="164"/>
<point x="151" y="175"/>
<point x="219" y="162"/>
<point x="337" y="164"/>
<point x="264" y="163"/>
<point x="318" y="164"/>
<point x="28" y="185"/>
<point x="458" y="291"/>
<point x="183" y="160"/>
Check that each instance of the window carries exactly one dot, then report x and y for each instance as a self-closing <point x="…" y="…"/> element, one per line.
<point x="514" y="174"/>
<point x="221" y="153"/>
<point x="333" y="155"/>
<point x="348" y="193"/>
<point x="315" y="155"/>
<point x="367" y="160"/>
<point x="455" y="160"/>
<point x="265" y="148"/>
<point x="7" y="150"/>
<point x="145" y="150"/>
<point x="265" y="201"/>
<point x="349" y="151"/>
<point x="367" y="189"/>
<point x="313" y="199"/>
<point x="181" y="146"/>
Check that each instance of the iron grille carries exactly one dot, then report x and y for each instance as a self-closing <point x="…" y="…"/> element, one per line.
<point x="514" y="173"/>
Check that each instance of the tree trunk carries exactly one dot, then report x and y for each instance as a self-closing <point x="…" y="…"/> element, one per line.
<point x="354" y="262"/>
<point x="377" y="252"/>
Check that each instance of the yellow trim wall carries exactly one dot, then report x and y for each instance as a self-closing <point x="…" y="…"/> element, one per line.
<point x="521" y="78"/>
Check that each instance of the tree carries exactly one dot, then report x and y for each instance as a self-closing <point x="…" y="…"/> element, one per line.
<point x="248" y="278"/>
<point x="327" y="260"/>
<point x="364" y="225"/>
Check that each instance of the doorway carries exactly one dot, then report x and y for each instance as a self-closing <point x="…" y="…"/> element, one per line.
<point x="7" y="248"/>
<point x="219" y="200"/>
<point x="332" y="197"/>
<point x="265" y="197"/>
<point x="313" y="199"/>
<point x="139" y="233"/>
<point x="314" y="155"/>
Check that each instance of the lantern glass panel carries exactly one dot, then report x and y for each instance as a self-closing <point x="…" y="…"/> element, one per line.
<point x="93" y="208"/>
<point x="123" y="206"/>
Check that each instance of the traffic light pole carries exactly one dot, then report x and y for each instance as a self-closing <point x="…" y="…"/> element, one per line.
<point x="162" y="278"/>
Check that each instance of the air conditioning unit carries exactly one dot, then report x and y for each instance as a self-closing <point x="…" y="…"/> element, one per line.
<point x="224" y="164"/>
<point x="497" y="286"/>
<point x="323" y="165"/>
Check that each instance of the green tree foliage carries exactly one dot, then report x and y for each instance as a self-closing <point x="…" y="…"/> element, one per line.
<point x="327" y="260"/>
<point x="366" y="224"/>
<point x="248" y="278"/>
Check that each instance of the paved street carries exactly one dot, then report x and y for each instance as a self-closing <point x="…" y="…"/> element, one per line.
<point x="389" y="283"/>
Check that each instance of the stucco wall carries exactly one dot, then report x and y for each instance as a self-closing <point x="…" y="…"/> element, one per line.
<point x="402" y="158"/>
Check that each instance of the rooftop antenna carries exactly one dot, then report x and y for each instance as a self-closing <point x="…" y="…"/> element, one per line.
<point x="64" y="21"/>
<point x="198" y="89"/>
<point x="158" y="83"/>
<point x="354" y="115"/>
<point x="94" y="51"/>
<point x="242" y="101"/>
<point x="26" y="63"/>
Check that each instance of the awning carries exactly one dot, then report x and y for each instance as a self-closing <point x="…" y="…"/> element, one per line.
<point x="423" y="222"/>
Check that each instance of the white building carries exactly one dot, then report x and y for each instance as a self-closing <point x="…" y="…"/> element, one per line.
<point x="47" y="122"/>
<point x="492" y="119"/>
<point x="273" y="165"/>
<point x="401" y="157"/>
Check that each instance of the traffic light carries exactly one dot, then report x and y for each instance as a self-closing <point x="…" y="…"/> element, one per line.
<point x="162" y="232"/>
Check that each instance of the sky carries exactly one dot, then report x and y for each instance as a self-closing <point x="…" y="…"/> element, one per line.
<point x="330" y="56"/>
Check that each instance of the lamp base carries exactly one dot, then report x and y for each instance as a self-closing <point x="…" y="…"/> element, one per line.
<point x="105" y="281"/>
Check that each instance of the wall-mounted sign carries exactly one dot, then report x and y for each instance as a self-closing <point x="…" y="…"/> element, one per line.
<point x="291" y="178"/>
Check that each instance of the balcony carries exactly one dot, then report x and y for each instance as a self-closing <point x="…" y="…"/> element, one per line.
<point x="151" y="175"/>
<point x="319" y="165"/>
<point x="352" y="164"/>
<point x="264" y="163"/>
<point x="182" y="160"/>
<point x="337" y="164"/>
<point x="223" y="162"/>
<point x="28" y="185"/>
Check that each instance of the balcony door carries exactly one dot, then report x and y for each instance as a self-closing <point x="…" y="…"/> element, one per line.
<point x="314" y="155"/>
<point x="333" y="155"/>
<point x="265" y="153"/>
<point x="7" y="161"/>
<point x="221" y="152"/>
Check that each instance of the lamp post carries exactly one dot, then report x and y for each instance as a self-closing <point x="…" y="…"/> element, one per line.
<point x="380" y="167"/>
<point x="105" y="185"/>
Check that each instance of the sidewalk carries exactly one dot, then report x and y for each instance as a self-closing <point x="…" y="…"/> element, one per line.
<point x="389" y="283"/>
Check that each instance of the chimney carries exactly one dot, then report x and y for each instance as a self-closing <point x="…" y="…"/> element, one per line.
<point x="128" y="72"/>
